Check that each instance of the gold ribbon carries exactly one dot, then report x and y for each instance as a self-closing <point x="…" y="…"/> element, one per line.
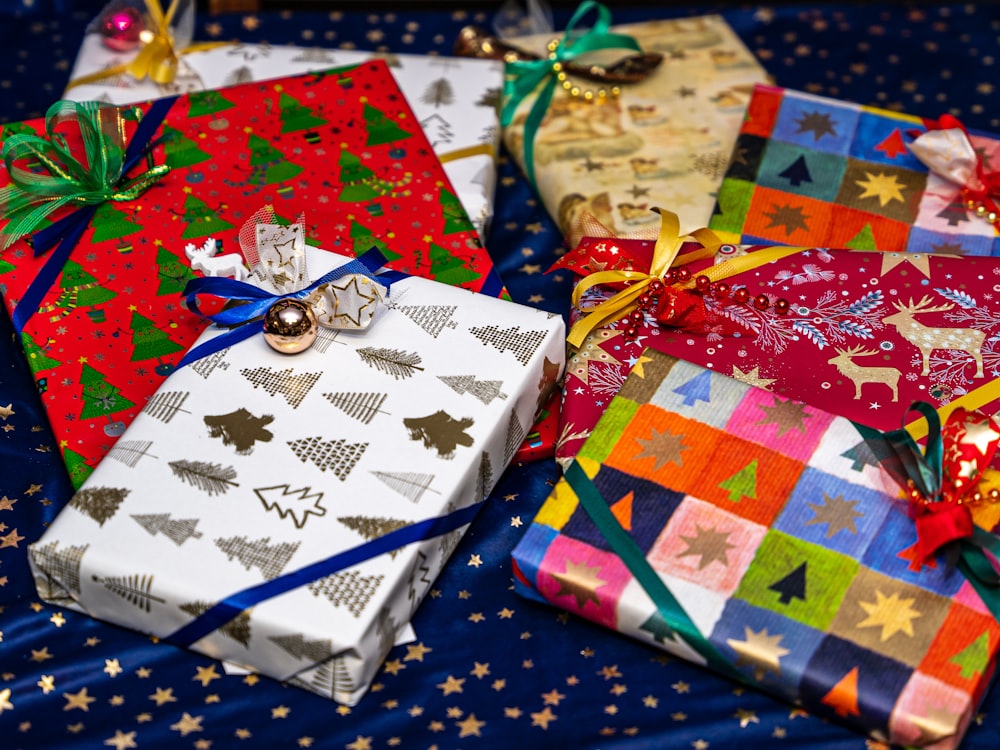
<point x="665" y="255"/>
<point x="480" y="149"/>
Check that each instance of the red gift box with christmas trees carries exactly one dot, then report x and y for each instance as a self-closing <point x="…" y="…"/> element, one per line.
<point x="102" y="324"/>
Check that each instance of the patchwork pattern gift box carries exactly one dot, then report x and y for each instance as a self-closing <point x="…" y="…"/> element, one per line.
<point x="101" y="319"/>
<point x="861" y="334"/>
<point x="664" y="140"/>
<point x="760" y="536"/>
<point x="808" y="170"/>
<point x="289" y="513"/>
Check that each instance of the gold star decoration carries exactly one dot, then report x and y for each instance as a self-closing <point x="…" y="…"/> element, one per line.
<point x="664" y="447"/>
<point x="112" y="668"/>
<point x="205" y="675"/>
<point x="41" y="655"/>
<point x="360" y="743"/>
<point x="746" y="717"/>
<point x="759" y="650"/>
<point x="393" y="667"/>
<point x="650" y="701"/>
<point x="475" y="561"/>
<point x="451" y="685"/>
<point x="121" y="740"/>
<point x="920" y="261"/>
<point x="33" y="489"/>
<point x="7" y="411"/>
<point x="591" y="351"/>
<point x="609" y="672"/>
<point x="752" y="377"/>
<point x="708" y="544"/>
<point x="78" y="700"/>
<point x="6" y="503"/>
<point x="162" y="695"/>
<point x="891" y="613"/>
<point x="885" y="187"/>
<point x="280" y="712"/>
<point x="11" y="540"/>
<point x="47" y="683"/>
<point x="979" y="434"/>
<point x="470" y="726"/>
<point x="579" y="581"/>
<point x="364" y="300"/>
<point x="505" y="613"/>
<point x="480" y="670"/>
<point x="837" y="512"/>
<point x="787" y="414"/>
<point x="57" y="619"/>
<point x="188" y="724"/>
<point x="543" y="718"/>
<point x="416" y="652"/>
<point x="552" y="697"/>
<point x="638" y="368"/>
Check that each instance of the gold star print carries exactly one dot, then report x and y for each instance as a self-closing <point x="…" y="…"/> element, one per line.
<point x="837" y="512"/>
<point x="788" y="415"/>
<point x="610" y="672"/>
<point x="979" y="434"/>
<point x="75" y="728"/>
<point x="41" y="655"/>
<point x="6" y="503"/>
<point x="162" y="695"/>
<point x="203" y="744"/>
<point x="498" y="685"/>
<point x="416" y="652"/>
<point x="591" y="351"/>
<point x="205" y="675"/>
<point x="7" y="411"/>
<point x="11" y="539"/>
<point x="415" y="711"/>
<point x="885" y="187"/>
<point x="512" y="712"/>
<point x="477" y="617"/>
<point x="759" y="650"/>
<point x="552" y="697"/>
<point x="664" y="447"/>
<point x="638" y="368"/>
<point x="78" y="700"/>
<point x="543" y="718"/>
<point x="143" y="672"/>
<point x="475" y="561"/>
<point x="650" y="701"/>
<point x="360" y="743"/>
<point x="451" y="685"/>
<point x="47" y="683"/>
<point x="708" y="544"/>
<point x="121" y="740"/>
<point x="470" y="726"/>
<point x="393" y="667"/>
<point x="891" y="613"/>
<point x="480" y="670"/>
<point x="92" y="641"/>
<point x="112" y="668"/>
<point x="505" y="613"/>
<point x="579" y="581"/>
<point x="280" y="712"/>
<point x="33" y="489"/>
<point x="746" y="717"/>
<point x="752" y="377"/>
<point x="920" y="261"/>
<point x="305" y="741"/>
<point x="188" y="724"/>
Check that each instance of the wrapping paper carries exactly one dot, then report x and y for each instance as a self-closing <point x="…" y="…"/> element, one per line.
<point x="809" y="170"/>
<point x="834" y="348"/>
<point x="781" y="546"/>
<point x="248" y="465"/>
<point x="663" y="142"/>
<point x="455" y="100"/>
<point x="341" y="147"/>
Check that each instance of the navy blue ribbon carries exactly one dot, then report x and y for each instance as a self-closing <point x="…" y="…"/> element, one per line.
<point x="69" y="229"/>
<point x="256" y="301"/>
<point x="217" y="616"/>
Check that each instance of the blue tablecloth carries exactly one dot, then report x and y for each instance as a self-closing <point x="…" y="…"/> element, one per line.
<point x="488" y="669"/>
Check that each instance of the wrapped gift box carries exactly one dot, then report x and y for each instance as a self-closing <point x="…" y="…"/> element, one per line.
<point x="808" y="170"/>
<point x="665" y="141"/>
<point x="341" y="147"/>
<point x="249" y="465"/>
<point x="455" y="100"/>
<point x="850" y="341"/>
<point x="789" y="565"/>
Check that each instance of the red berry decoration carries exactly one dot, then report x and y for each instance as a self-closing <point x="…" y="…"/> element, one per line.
<point x="637" y="317"/>
<point x="761" y="302"/>
<point x="720" y="289"/>
<point x="781" y="306"/>
<point x="655" y="287"/>
<point x="643" y="301"/>
<point x="631" y="332"/>
<point x="741" y="295"/>
<point x="683" y="274"/>
<point x="670" y="276"/>
<point x="701" y="283"/>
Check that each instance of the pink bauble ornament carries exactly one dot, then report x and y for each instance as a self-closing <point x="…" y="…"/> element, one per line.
<point x="120" y="29"/>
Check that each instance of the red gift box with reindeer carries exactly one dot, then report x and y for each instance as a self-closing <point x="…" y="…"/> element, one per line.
<point x="94" y="285"/>
<point x="860" y="334"/>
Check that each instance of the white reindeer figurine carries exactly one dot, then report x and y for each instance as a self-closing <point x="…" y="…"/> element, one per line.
<point x="204" y="259"/>
<point x="860" y="375"/>
<point x="927" y="339"/>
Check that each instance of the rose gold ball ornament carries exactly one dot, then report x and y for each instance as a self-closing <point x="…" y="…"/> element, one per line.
<point x="120" y="28"/>
<point x="290" y="326"/>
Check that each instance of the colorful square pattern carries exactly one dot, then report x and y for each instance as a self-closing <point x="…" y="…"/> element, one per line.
<point x="808" y="170"/>
<point x="792" y="560"/>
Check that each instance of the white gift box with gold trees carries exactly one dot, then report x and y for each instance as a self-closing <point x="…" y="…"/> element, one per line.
<point x="272" y="491"/>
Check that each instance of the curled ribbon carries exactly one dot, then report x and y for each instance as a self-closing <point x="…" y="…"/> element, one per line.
<point x="524" y="76"/>
<point x="946" y="150"/>
<point x="941" y="482"/>
<point x="157" y="57"/>
<point x="83" y="161"/>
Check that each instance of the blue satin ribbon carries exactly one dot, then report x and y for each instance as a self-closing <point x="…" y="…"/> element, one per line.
<point x="247" y="316"/>
<point x="69" y="229"/>
<point x="217" y="616"/>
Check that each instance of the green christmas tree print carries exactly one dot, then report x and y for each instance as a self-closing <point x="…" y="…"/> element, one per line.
<point x="173" y="273"/>
<point x="80" y="289"/>
<point x="5" y="266"/>
<point x="356" y="178"/>
<point x="364" y="240"/>
<point x="381" y="129"/>
<point x="455" y="218"/>
<point x="181" y="151"/>
<point x="974" y="659"/>
<point x="77" y="467"/>
<point x="201" y="220"/>
<point x="269" y="165"/>
<point x="863" y="240"/>
<point x="742" y="484"/>
<point x="296" y="116"/>
<point x="448" y="269"/>
<point x="109" y="223"/>
<point x="37" y="357"/>
<point x="149" y="341"/>
<point x="207" y="103"/>
<point x="100" y="398"/>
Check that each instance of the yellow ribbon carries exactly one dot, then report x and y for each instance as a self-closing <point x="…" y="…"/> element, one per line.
<point x="665" y="252"/>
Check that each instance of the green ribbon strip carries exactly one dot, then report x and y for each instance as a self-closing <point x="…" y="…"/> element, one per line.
<point x="524" y="76"/>
<point x="46" y="173"/>
<point x="628" y="551"/>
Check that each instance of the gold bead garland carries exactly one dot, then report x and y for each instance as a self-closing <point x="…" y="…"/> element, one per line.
<point x="981" y="211"/>
<point x="571" y="88"/>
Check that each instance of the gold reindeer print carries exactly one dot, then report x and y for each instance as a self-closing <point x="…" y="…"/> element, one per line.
<point x="860" y="374"/>
<point x="927" y="338"/>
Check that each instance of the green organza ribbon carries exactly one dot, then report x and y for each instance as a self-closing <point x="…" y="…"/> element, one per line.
<point x="49" y="172"/>
<point x="524" y="76"/>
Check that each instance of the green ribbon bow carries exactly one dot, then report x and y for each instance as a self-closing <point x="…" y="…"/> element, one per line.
<point x="524" y="76"/>
<point x="49" y="172"/>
